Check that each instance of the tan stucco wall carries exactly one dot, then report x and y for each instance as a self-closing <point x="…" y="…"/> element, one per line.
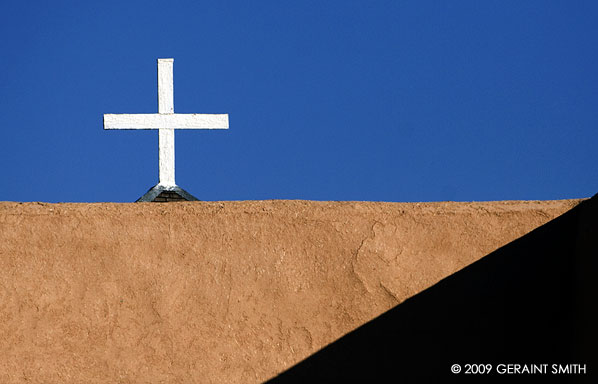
<point x="223" y="292"/>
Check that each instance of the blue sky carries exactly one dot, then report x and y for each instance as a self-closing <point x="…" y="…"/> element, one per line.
<point x="328" y="100"/>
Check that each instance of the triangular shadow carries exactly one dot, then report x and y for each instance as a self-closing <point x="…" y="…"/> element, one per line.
<point x="531" y="301"/>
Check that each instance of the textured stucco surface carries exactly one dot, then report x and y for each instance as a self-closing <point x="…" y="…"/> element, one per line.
<point x="220" y="291"/>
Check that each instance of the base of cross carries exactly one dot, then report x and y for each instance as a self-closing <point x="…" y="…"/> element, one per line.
<point x="165" y="194"/>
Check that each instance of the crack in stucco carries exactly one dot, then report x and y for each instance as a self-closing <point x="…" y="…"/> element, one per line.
<point x="355" y="260"/>
<point x="230" y="288"/>
<point x="390" y="293"/>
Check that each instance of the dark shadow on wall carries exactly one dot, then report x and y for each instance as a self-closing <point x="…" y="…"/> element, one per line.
<point x="531" y="301"/>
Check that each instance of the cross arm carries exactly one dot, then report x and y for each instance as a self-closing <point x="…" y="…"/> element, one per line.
<point x="163" y="120"/>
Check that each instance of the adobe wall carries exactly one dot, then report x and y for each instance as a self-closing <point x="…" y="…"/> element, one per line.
<point x="220" y="292"/>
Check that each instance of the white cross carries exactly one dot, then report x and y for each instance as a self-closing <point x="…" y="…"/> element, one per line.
<point x="165" y="121"/>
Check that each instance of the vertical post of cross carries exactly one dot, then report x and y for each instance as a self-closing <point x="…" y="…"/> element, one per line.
<point x="166" y="135"/>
